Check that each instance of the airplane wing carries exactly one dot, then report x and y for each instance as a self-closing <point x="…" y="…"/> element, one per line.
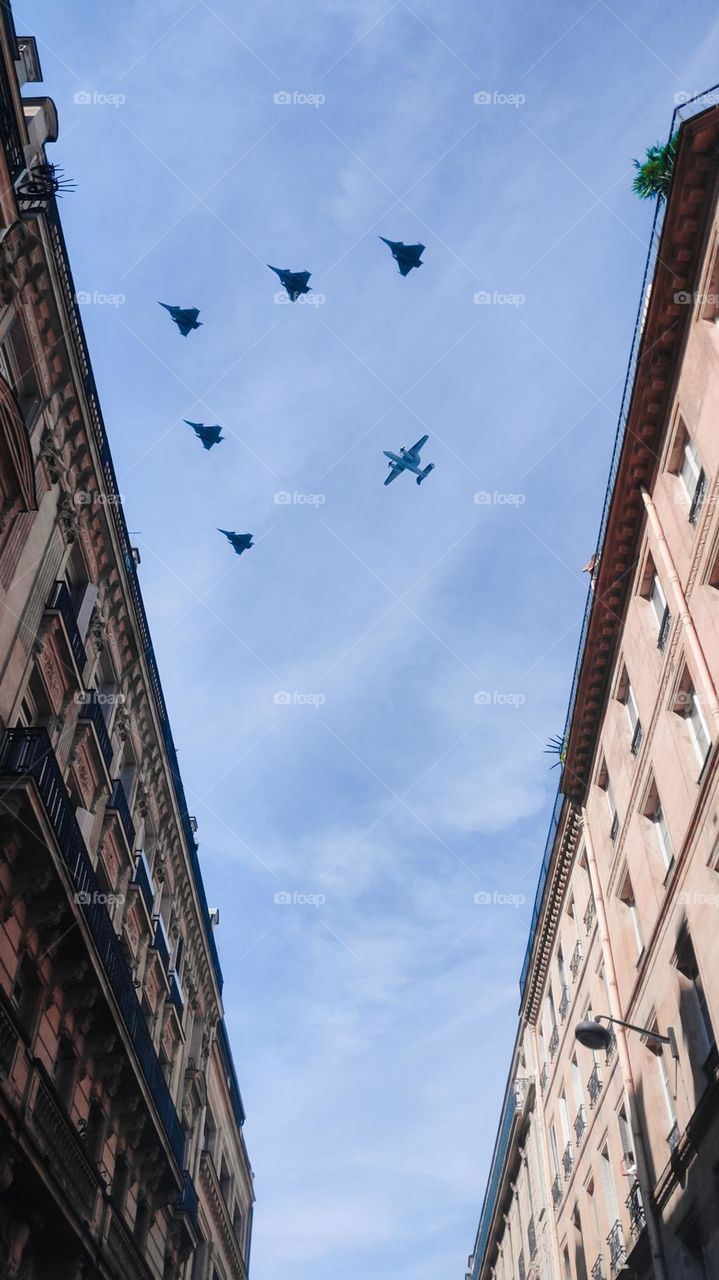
<point x="416" y="448"/>
<point x="404" y="267"/>
<point x="302" y="276"/>
<point x="396" y="471"/>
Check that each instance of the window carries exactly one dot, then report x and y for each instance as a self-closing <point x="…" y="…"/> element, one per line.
<point x="635" y="723"/>
<point x="654" y="811"/>
<point x="26" y="994"/>
<point x="688" y="705"/>
<point x="627" y="1141"/>
<point x="693" y="1007"/>
<point x="611" y="805"/>
<point x="662" y="615"/>
<point x="566" y="1265"/>
<point x="608" y="1186"/>
<point x="626" y="896"/>
<point x="693" y="478"/>
<point x="665" y="1087"/>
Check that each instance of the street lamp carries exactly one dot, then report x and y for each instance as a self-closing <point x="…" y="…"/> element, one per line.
<point x="594" y="1036"/>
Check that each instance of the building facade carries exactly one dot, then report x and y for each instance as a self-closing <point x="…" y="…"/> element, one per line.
<point x="121" y="1148"/>
<point x="607" y="1160"/>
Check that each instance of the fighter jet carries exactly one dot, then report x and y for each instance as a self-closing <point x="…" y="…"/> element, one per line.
<point x="238" y="541"/>
<point x="185" y="317"/>
<point x="208" y="435"/>
<point x="407" y="256"/>
<point x="408" y="460"/>
<point x="295" y="282"/>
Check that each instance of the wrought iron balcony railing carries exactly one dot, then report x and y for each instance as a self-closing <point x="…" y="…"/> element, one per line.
<point x="595" y="1084"/>
<point x="91" y="711"/>
<point x="143" y="880"/>
<point x="554" y="1041"/>
<point x="118" y="803"/>
<point x="673" y="1137"/>
<point x="617" y="1248"/>
<point x="568" y="1160"/>
<point x="590" y="914"/>
<point x="611" y="1046"/>
<point x="580" y="1123"/>
<point x="598" y="1272"/>
<point x="60" y="602"/>
<point x="637" y="738"/>
<point x="161" y="943"/>
<point x="543" y="1077"/>
<point x="564" y="1003"/>
<point x="28" y="753"/>
<point x="637" y="1216"/>
<point x="556" y="1191"/>
<point x="188" y="1201"/>
<point x="698" y="499"/>
<point x="664" y="629"/>
<point x="532" y="1239"/>
<point x="575" y="963"/>
<point x="521" y="1267"/>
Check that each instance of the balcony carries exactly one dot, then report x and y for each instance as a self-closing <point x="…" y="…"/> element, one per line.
<point x="60" y="603"/>
<point x="28" y="754"/>
<point x="554" y="1041"/>
<point x="673" y="1137"/>
<point x="521" y="1267"/>
<point x="118" y="804"/>
<point x="532" y="1239"/>
<point x="564" y="1003"/>
<point x="557" y="1191"/>
<point x="590" y="914"/>
<point x="617" y="1248"/>
<point x="177" y="995"/>
<point x="595" y="1084"/>
<point x="580" y="1124"/>
<point x="568" y="1160"/>
<point x="91" y="711"/>
<point x="637" y="736"/>
<point x="611" y="1047"/>
<point x="161" y="943"/>
<point x="637" y="1217"/>
<point x="598" y="1272"/>
<point x="664" y="629"/>
<point x="187" y="1202"/>
<point x="543" y="1077"/>
<point x="698" y="499"/>
<point x="575" y="963"/>
<point x="142" y="880"/>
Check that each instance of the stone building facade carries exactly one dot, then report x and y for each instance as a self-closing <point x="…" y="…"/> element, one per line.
<point x="121" y="1148"/>
<point x="607" y="1160"/>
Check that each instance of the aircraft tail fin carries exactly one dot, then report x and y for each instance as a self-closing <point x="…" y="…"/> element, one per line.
<point x="423" y="474"/>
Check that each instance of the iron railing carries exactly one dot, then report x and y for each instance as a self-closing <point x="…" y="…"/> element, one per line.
<point x="576" y="961"/>
<point x="564" y="1003"/>
<point x="556" y="1191"/>
<point x="637" y="1216"/>
<point x="617" y="1247"/>
<point x="554" y="1041"/>
<point x="664" y="629"/>
<point x="580" y="1123"/>
<point x="595" y="1084"/>
<point x="698" y="499"/>
<point x="143" y="880"/>
<point x="91" y="710"/>
<point x="598" y="1272"/>
<point x="521" y="1267"/>
<point x="118" y="804"/>
<point x="506" y="1125"/>
<point x="28" y="753"/>
<point x="543" y="1077"/>
<point x="532" y="1239"/>
<point x="673" y="1136"/>
<point x="568" y="1160"/>
<point x="60" y="602"/>
<point x="611" y="1046"/>
<point x="590" y="914"/>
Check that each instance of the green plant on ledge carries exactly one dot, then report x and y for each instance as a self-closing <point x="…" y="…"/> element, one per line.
<point x="654" y="172"/>
<point x="557" y="746"/>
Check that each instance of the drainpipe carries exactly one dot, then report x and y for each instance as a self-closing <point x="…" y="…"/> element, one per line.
<point x="615" y="1009"/>
<point x="673" y="580"/>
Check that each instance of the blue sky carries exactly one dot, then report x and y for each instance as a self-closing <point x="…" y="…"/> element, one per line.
<point x="371" y="1030"/>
